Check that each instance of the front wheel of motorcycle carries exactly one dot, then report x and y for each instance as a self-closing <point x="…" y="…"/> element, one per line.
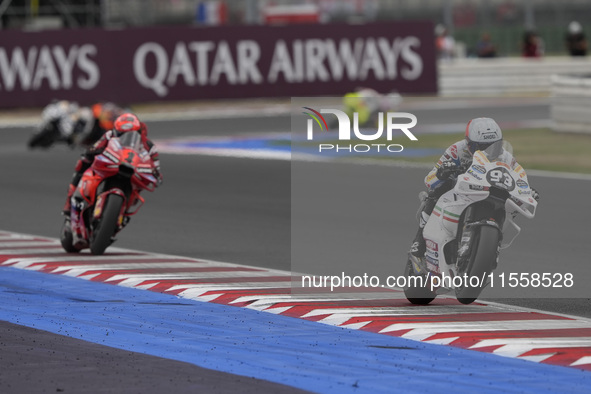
<point x="104" y="230"/>
<point x="416" y="290"/>
<point x="44" y="138"/>
<point x="482" y="261"/>
<point x="66" y="238"/>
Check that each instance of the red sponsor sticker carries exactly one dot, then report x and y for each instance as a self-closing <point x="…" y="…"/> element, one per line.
<point x="454" y="151"/>
<point x="432" y="245"/>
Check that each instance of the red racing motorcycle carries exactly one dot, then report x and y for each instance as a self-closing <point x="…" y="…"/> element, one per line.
<point x="108" y="194"/>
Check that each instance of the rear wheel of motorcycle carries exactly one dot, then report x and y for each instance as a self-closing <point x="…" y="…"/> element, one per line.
<point x="45" y="138"/>
<point x="482" y="261"/>
<point x="66" y="238"/>
<point x="418" y="295"/>
<point x="103" y="232"/>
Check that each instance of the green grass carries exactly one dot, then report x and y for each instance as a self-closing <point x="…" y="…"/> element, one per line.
<point x="541" y="149"/>
<point x="544" y="149"/>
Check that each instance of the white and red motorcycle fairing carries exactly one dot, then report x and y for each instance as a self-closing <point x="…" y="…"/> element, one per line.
<point x="472" y="222"/>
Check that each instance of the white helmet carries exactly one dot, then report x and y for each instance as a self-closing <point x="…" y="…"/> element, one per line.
<point x="481" y="133"/>
<point x="575" y="27"/>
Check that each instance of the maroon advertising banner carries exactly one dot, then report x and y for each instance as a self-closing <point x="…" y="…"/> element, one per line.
<point x="190" y="63"/>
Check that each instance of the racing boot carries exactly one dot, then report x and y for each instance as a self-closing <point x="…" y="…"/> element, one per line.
<point x="68" y="206"/>
<point x="419" y="246"/>
<point x="79" y="240"/>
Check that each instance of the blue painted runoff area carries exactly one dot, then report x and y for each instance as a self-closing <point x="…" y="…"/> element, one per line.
<point x="282" y="145"/>
<point x="242" y="143"/>
<point x="281" y="349"/>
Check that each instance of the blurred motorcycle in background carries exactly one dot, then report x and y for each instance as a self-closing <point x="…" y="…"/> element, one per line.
<point x="77" y="126"/>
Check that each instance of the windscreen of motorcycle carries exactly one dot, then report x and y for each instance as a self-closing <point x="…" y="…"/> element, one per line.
<point x="500" y="176"/>
<point x="494" y="152"/>
<point x="131" y="140"/>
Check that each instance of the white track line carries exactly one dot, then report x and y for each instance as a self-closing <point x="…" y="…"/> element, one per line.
<point x="421" y="330"/>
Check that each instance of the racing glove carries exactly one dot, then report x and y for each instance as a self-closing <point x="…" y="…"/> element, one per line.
<point x="446" y="170"/>
<point x="535" y="195"/>
<point x="158" y="176"/>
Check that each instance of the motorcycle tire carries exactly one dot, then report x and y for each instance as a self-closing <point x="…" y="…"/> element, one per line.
<point x="482" y="261"/>
<point x="44" y="139"/>
<point x="66" y="238"/>
<point x="418" y="295"/>
<point x="106" y="227"/>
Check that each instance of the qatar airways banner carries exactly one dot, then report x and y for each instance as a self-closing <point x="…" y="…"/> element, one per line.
<point x="189" y="63"/>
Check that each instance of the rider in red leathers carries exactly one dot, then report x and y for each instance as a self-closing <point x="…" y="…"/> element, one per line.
<point x="92" y="122"/>
<point x="125" y="123"/>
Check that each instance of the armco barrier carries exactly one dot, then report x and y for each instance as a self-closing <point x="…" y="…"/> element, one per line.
<point x="571" y="103"/>
<point x="189" y="63"/>
<point x="470" y="77"/>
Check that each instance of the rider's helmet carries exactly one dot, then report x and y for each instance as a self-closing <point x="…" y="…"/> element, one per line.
<point x="127" y="122"/>
<point x="105" y="114"/>
<point x="481" y="133"/>
<point x="575" y="28"/>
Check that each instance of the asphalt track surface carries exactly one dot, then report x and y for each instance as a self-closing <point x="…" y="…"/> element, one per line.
<point x="33" y="186"/>
<point x="35" y="361"/>
<point x="238" y="210"/>
<point x="241" y="221"/>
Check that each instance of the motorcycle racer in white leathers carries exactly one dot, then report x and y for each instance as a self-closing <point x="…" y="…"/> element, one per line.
<point x="368" y="103"/>
<point x="63" y="113"/>
<point x="480" y="134"/>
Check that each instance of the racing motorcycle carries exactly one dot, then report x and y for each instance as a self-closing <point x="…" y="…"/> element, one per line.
<point x="57" y="121"/>
<point x="108" y="194"/>
<point x="47" y="134"/>
<point x="66" y="122"/>
<point x="468" y="227"/>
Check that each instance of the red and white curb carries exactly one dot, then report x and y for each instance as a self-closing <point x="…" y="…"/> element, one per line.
<point x="487" y="327"/>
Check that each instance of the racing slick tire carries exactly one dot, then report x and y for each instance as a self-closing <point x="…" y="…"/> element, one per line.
<point x="482" y="261"/>
<point x="104" y="230"/>
<point x="418" y="295"/>
<point x="66" y="238"/>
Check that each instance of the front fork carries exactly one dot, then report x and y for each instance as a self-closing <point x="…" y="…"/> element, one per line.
<point x="466" y="240"/>
<point x="80" y="231"/>
<point x="100" y="204"/>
